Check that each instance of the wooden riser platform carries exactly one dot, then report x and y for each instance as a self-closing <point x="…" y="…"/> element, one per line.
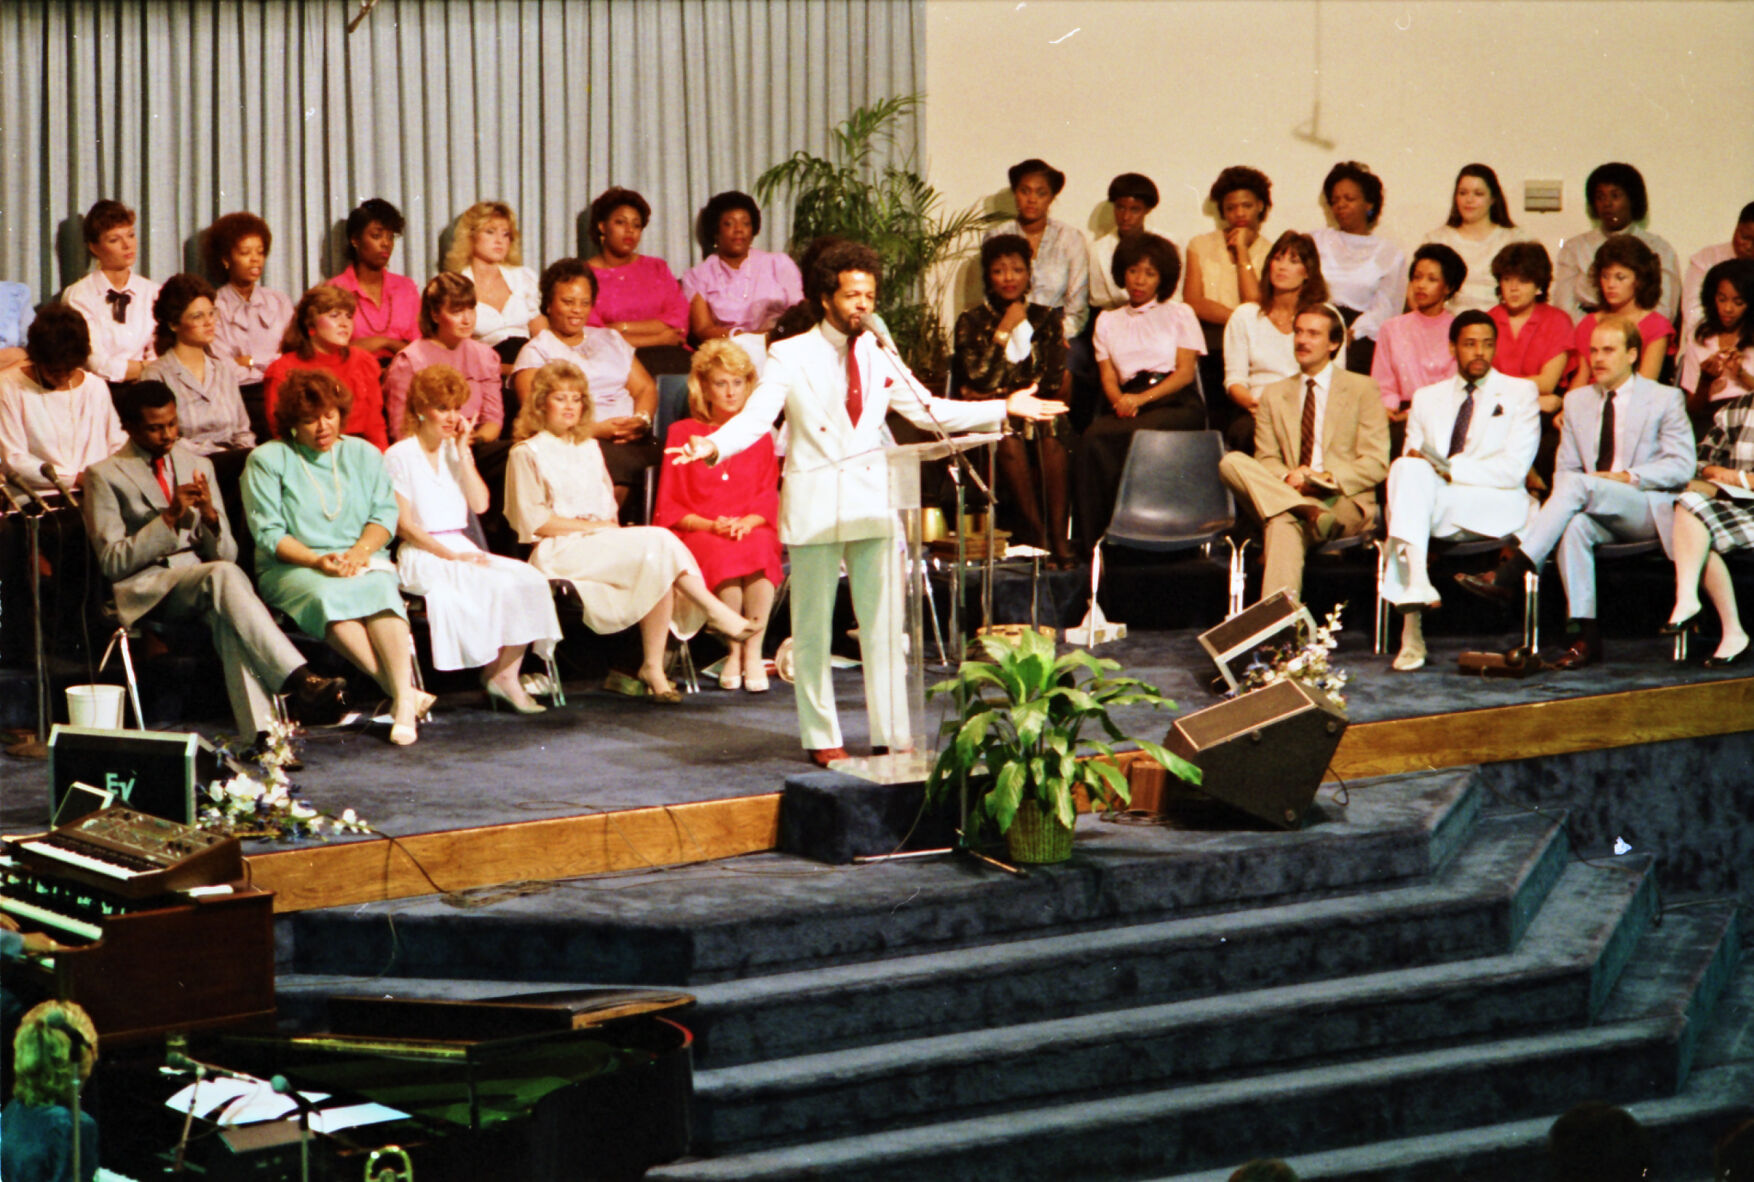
<point x="643" y="838"/>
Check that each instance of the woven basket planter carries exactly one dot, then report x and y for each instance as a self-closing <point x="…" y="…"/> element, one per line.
<point x="1037" y="837"/>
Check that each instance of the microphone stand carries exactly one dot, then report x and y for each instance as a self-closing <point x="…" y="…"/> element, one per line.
<point x="305" y="1108"/>
<point x="37" y="748"/>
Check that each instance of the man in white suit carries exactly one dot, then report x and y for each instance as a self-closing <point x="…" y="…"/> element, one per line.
<point x="1626" y="448"/>
<point x="153" y="514"/>
<point x="1470" y="441"/>
<point x="835" y="383"/>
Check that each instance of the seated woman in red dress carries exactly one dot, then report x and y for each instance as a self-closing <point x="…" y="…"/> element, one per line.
<point x="320" y="337"/>
<point x="726" y="513"/>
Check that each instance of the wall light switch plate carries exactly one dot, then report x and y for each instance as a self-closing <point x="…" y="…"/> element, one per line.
<point x="1543" y="196"/>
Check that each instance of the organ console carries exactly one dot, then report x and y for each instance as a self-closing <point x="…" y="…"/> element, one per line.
<point x="163" y="932"/>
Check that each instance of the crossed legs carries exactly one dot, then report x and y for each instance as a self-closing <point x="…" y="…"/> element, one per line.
<point x="1697" y="565"/>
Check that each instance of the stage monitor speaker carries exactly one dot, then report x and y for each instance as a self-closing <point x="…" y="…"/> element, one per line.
<point x="1264" y="752"/>
<point x="156" y="772"/>
<point x="1233" y="641"/>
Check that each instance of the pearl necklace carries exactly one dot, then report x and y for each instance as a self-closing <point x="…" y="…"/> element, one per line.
<point x="335" y="474"/>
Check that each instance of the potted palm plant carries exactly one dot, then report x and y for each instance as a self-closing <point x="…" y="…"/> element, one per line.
<point x="890" y="208"/>
<point x="1018" y="739"/>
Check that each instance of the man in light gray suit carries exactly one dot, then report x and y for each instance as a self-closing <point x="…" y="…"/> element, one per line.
<point x="153" y="514"/>
<point x="1625" y="450"/>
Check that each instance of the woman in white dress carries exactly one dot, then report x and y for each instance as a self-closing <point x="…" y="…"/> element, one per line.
<point x="559" y="496"/>
<point x="484" y="611"/>
<point x="1479" y="226"/>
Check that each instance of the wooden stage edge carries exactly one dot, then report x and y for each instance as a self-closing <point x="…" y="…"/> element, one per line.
<point x="671" y="835"/>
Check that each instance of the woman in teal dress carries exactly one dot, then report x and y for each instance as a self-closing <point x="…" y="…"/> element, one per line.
<point x="322" y="509"/>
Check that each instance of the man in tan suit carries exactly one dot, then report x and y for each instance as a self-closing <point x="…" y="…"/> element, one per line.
<point x="1321" y="448"/>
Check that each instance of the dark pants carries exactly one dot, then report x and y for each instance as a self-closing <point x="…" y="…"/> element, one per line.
<point x="1102" y="455"/>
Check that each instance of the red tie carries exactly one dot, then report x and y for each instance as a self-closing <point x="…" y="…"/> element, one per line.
<point x="1306" y="441"/>
<point x="855" y="388"/>
<point x="158" y="470"/>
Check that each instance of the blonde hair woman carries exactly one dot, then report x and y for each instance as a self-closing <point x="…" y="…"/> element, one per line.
<point x="53" y="1054"/>
<point x="726" y="513"/>
<point x="485" y="248"/>
<point x="559" y="497"/>
<point x="484" y="611"/>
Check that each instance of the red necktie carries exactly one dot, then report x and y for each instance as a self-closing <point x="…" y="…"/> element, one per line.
<point x="855" y="388"/>
<point x="1306" y="445"/>
<point x="159" y="466"/>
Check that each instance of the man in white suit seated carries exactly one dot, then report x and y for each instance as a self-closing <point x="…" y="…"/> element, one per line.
<point x="162" y="538"/>
<point x="835" y="383"/>
<point x="1470" y="441"/>
<point x="1625" y="449"/>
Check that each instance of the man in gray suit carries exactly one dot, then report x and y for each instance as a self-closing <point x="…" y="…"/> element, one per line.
<point x="153" y="514"/>
<point x="1625" y="450"/>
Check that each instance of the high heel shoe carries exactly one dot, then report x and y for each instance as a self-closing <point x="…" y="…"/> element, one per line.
<point x="755" y="681"/>
<point x="423" y="704"/>
<point x="730" y="681"/>
<point x="1676" y="627"/>
<point x="1735" y="658"/>
<point x="403" y="733"/>
<point x="638" y="687"/>
<point x="745" y="630"/>
<point x="496" y="695"/>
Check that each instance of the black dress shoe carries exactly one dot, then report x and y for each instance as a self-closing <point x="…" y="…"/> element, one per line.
<point x="1488" y="586"/>
<point x="1582" y="652"/>
<point x="823" y="756"/>
<point x="1676" y="627"/>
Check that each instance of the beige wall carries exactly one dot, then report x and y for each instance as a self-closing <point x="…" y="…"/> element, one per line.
<point x="1177" y="89"/>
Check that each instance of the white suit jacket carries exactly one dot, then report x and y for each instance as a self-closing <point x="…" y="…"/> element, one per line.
<point x="1503" y="437"/>
<point x="136" y="550"/>
<point x="1655" y="440"/>
<point x="836" y="476"/>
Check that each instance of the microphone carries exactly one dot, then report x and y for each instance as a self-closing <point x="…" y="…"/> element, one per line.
<point x="49" y="474"/>
<point x="56" y="1020"/>
<point x="11" y="473"/>
<point x="177" y="1061"/>
<point x="17" y="505"/>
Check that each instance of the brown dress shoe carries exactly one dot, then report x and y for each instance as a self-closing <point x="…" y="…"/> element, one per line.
<point x="1582" y="652"/>
<point x="823" y="756"/>
<point x="1488" y="587"/>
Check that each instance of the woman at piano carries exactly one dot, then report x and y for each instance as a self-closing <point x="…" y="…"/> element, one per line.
<point x="48" y="1067"/>
<point x="321" y="509"/>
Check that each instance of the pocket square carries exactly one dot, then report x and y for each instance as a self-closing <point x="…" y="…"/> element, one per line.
<point x="1497" y="410"/>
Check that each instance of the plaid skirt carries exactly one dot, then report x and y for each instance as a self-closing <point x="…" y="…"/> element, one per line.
<point x="1730" y="523"/>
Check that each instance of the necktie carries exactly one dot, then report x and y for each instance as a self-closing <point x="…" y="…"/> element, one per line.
<point x="1605" y="446"/>
<point x="1458" y="436"/>
<point x="855" y="388"/>
<point x="159" y="467"/>
<point x="1306" y="440"/>
<point x="119" y="305"/>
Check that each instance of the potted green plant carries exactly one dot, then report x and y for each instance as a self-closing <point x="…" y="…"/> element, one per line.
<point x="889" y="208"/>
<point x="1018" y="740"/>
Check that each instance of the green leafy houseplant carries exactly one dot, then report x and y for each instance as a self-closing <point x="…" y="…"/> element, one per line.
<point x="1019" y="735"/>
<point x="891" y="209"/>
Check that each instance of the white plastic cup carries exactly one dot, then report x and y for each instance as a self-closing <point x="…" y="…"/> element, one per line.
<point x="97" y="706"/>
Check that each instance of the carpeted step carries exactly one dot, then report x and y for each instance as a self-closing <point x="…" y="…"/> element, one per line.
<point x="1558" y="976"/>
<point x="1478" y="905"/>
<point x="1318" y="1108"/>
<point x="768" y="913"/>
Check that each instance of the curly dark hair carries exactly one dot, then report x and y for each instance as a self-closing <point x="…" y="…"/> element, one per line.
<point x="706" y="226"/>
<point x="1001" y="246"/>
<point x="610" y="200"/>
<point x="306" y="394"/>
<point x="1367" y="181"/>
<point x="104" y="216"/>
<point x="174" y="297"/>
<point x="563" y="271"/>
<point x="1055" y="178"/>
<point x="1527" y="261"/>
<point x="1241" y="176"/>
<point x="836" y="261"/>
<point x="1623" y="177"/>
<point x="1626" y="250"/>
<point x="1453" y="266"/>
<point x="374" y="209"/>
<point x="1160" y="252"/>
<point x="226" y="232"/>
<point x="58" y="341"/>
<point x="1739" y="273"/>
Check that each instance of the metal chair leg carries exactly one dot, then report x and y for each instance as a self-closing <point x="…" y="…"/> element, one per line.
<point x="1382" y="605"/>
<point x="685" y="662"/>
<point x="1681" y="645"/>
<point x="120" y="639"/>
<point x="1532" y="610"/>
<point x="1238" y="575"/>
<point x="557" y="695"/>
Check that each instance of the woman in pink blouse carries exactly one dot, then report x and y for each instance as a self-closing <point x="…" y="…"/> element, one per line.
<point x="1629" y="276"/>
<point x="447" y="327"/>
<point x="638" y="297"/>
<point x="1413" y="349"/>
<point x="387" y="318"/>
<point x="252" y="319"/>
<point x="736" y="288"/>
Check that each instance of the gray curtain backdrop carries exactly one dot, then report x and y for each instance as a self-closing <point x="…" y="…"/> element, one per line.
<point x="187" y="109"/>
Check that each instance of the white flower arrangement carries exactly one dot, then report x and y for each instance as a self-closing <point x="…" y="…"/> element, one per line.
<point x="1304" y="658"/>
<point x="263" y="802"/>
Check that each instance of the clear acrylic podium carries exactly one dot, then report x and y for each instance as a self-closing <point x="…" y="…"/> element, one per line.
<point x="915" y="745"/>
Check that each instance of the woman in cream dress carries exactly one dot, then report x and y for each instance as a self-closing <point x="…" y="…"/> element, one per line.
<point x="559" y="496"/>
